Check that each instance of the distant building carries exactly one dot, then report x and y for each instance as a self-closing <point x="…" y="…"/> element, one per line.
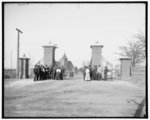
<point x="69" y="68"/>
<point x="67" y="64"/>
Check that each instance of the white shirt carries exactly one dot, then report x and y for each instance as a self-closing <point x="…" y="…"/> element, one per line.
<point x="99" y="70"/>
<point x="58" y="70"/>
<point x="87" y="71"/>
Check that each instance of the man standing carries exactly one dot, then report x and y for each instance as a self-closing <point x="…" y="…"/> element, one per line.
<point x="35" y="73"/>
<point x="84" y="72"/>
<point x="46" y="72"/>
<point x="53" y="72"/>
<point x="99" y="72"/>
<point x="90" y="68"/>
<point x="94" y="73"/>
<point x="43" y="72"/>
<point x="62" y="72"/>
<point x="40" y="72"/>
<point x="50" y="72"/>
<point x="105" y="72"/>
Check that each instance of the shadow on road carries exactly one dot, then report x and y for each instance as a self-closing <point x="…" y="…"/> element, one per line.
<point x="140" y="112"/>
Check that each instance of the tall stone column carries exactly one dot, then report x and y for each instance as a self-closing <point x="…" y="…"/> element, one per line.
<point x="96" y="55"/>
<point x="49" y="54"/>
<point x="126" y="68"/>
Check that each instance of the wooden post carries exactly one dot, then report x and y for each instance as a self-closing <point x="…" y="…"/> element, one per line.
<point x="17" y="69"/>
<point x="11" y="63"/>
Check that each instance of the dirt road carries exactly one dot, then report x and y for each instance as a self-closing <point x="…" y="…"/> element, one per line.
<point x="71" y="98"/>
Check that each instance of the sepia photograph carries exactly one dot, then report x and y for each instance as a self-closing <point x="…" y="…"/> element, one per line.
<point x="74" y="59"/>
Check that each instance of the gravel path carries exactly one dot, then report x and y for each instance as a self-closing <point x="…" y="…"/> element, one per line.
<point x="71" y="98"/>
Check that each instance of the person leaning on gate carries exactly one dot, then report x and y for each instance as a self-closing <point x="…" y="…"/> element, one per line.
<point x="99" y="72"/>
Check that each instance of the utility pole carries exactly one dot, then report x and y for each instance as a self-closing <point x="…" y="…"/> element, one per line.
<point x="11" y="63"/>
<point x="17" y="70"/>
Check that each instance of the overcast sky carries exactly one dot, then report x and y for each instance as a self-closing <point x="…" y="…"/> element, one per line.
<point x="73" y="27"/>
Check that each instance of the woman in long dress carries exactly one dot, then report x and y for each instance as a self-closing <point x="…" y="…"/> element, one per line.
<point x="87" y="74"/>
<point x="58" y="72"/>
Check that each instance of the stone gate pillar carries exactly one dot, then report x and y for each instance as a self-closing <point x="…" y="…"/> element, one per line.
<point x="126" y="68"/>
<point x="96" y="55"/>
<point x="49" y="54"/>
<point x="24" y="67"/>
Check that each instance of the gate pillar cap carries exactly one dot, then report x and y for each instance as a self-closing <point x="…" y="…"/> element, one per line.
<point x="96" y="46"/>
<point x="24" y="57"/>
<point x="50" y="44"/>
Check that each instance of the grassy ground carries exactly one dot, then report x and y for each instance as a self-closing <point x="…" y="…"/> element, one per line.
<point x="71" y="98"/>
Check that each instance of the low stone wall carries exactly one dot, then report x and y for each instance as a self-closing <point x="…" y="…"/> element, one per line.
<point x="139" y="72"/>
<point x="10" y="73"/>
<point x="138" y="75"/>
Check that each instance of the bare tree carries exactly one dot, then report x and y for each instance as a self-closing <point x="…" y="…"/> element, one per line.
<point x="135" y="50"/>
<point x="141" y="39"/>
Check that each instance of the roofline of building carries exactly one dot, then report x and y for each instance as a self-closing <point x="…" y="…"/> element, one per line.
<point x="125" y="58"/>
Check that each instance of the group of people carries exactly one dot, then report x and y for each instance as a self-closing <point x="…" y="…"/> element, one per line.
<point x="94" y="73"/>
<point x="44" y="72"/>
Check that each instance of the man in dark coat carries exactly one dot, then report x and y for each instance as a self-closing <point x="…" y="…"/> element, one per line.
<point x="105" y="73"/>
<point x="42" y="72"/>
<point x="54" y="72"/>
<point x="50" y="72"/>
<point x="46" y="72"/>
<point x="35" y="72"/>
<point x="94" y="73"/>
<point x="62" y="72"/>
<point x="38" y="73"/>
<point x="90" y="68"/>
